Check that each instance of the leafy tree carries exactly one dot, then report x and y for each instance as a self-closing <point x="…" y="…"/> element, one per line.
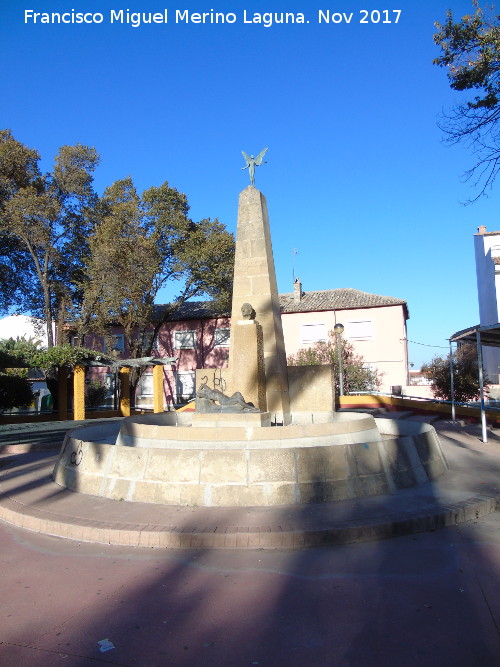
<point x="465" y="375"/>
<point x="471" y="53"/>
<point x="95" y="393"/>
<point x="53" y="358"/>
<point x="356" y="376"/>
<point x="46" y="218"/>
<point x="67" y="355"/>
<point x="123" y="263"/>
<point x="139" y="245"/>
<point x="99" y="262"/>
<point x="15" y="392"/>
<point x="27" y="353"/>
<point x="14" y="265"/>
<point x="18" y="354"/>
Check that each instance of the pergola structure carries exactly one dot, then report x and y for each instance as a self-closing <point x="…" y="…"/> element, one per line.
<point x="488" y="335"/>
<point x="122" y="366"/>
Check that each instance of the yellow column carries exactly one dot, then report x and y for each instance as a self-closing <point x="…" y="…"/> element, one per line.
<point x="79" y="393"/>
<point x="62" y="376"/>
<point x="158" y="388"/>
<point x="125" y="392"/>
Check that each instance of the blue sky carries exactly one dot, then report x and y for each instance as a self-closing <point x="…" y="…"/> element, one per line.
<point x="358" y="179"/>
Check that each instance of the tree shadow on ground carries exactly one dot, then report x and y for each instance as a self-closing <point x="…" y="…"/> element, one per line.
<point x="404" y="601"/>
<point x="421" y="599"/>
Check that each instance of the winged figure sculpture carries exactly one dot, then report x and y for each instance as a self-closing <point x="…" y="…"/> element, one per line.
<point x="253" y="162"/>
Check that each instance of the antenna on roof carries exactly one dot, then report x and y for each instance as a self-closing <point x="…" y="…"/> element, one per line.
<point x="294" y="252"/>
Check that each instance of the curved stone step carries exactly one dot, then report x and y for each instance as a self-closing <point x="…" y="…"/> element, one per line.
<point x="30" y="499"/>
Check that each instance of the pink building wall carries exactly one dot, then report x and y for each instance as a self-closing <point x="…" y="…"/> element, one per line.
<point x="377" y="334"/>
<point x="207" y="351"/>
<point x="201" y="347"/>
<point x="198" y="344"/>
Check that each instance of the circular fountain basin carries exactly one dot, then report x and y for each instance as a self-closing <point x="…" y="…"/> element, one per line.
<point x="164" y="459"/>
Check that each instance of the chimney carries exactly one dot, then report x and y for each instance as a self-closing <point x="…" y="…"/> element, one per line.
<point x="481" y="229"/>
<point x="297" y="290"/>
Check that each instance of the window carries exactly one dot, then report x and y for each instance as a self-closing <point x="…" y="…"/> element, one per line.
<point x="313" y="333"/>
<point x="109" y="383"/>
<point x="114" y="342"/>
<point x="184" y="340"/>
<point x="146" y="384"/>
<point x="185" y="386"/>
<point x="359" y="330"/>
<point x="75" y="341"/>
<point x="147" y="338"/>
<point x="221" y="337"/>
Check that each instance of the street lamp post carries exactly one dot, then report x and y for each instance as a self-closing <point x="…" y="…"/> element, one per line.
<point x="338" y="329"/>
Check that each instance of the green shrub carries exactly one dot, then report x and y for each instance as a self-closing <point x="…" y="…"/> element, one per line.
<point x="15" y="392"/>
<point x="465" y="375"/>
<point x="356" y="375"/>
<point x="95" y="394"/>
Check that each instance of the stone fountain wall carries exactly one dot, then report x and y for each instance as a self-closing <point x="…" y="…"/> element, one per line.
<point x="183" y="465"/>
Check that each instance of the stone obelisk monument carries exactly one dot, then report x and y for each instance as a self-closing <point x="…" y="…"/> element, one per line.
<point x="257" y="361"/>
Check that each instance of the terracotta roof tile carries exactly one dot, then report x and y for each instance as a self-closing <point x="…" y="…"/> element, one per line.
<point x="191" y="310"/>
<point x="332" y="299"/>
<point x="345" y="298"/>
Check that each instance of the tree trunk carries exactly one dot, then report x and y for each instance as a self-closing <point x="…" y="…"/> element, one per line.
<point x="48" y="316"/>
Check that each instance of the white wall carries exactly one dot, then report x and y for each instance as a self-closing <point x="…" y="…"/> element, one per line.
<point x="488" y="280"/>
<point x="377" y="334"/>
<point x="487" y="246"/>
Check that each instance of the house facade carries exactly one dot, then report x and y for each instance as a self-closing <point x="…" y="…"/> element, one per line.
<point x="375" y="325"/>
<point x="487" y="255"/>
<point x="197" y="337"/>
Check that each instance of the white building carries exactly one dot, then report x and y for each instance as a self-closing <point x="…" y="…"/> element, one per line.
<point x="487" y="252"/>
<point x="23" y="326"/>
